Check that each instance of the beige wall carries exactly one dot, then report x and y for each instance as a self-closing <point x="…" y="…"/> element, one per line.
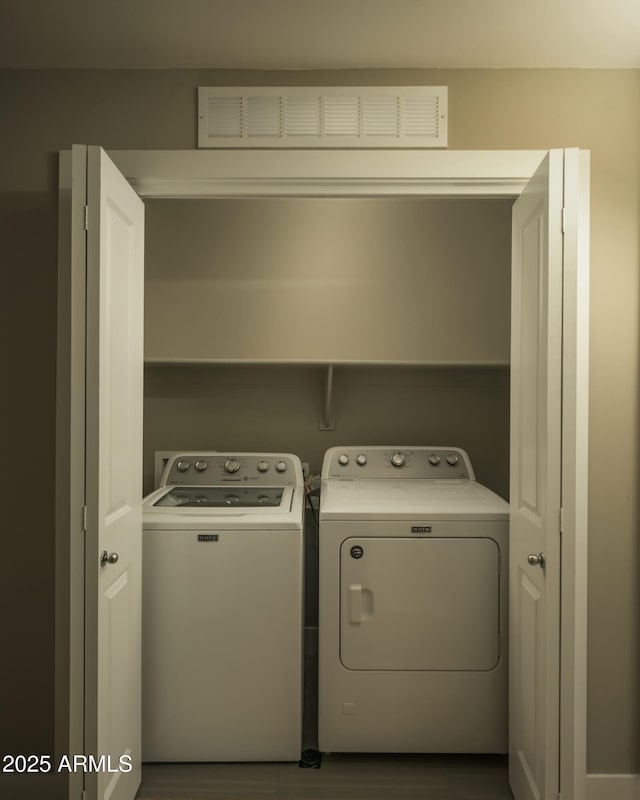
<point x="328" y="279"/>
<point x="43" y="112"/>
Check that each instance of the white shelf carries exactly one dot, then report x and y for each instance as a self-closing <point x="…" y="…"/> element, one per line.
<point x="289" y="362"/>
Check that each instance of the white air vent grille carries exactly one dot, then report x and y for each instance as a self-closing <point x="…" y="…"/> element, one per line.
<point x="341" y="116"/>
<point x="302" y="116"/>
<point x="420" y="116"/>
<point x="224" y="116"/>
<point x="381" y="116"/>
<point x="390" y="116"/>
<point x="264" y="116"/>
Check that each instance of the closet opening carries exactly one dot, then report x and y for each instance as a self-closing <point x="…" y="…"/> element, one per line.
<point x="249" y="301"/>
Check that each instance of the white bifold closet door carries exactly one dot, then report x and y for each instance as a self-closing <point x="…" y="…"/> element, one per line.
<point x="535" y="464"/>
<point x="114" y="397"/>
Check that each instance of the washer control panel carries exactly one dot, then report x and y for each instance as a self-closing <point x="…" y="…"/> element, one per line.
<point x="431" y="463"/>
<point x="211" y="469"/>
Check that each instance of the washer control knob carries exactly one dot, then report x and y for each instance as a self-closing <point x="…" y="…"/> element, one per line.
<point x="398" y="459"/>
<point x="232" y="465"/>
<point x="343" y="459"/>
<point x="281" y="466"/>
<point x="201" y="466"/>
<point x="361" y="459"/>
<point x="434" y="459"/>
<point x="263" y="466"/>
<point x="183" y="466"/>
<point x="452" y="459"/>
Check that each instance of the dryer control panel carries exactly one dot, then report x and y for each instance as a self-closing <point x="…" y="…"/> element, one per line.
<point x="430" y="463"/>
<point x="214" y="469"/>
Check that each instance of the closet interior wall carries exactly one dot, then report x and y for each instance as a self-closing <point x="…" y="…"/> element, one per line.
<point x="249" y="301"/>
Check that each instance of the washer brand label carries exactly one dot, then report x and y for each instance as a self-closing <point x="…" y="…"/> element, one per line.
<point x="207" y="537"/>
<point x="357" y="551"/>
<point x="421" y="529"/>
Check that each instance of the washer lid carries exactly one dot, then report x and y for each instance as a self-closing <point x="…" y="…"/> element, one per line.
<point x="222" y="497"/>
<point x="401" y="499"/>
<point x="223" y="507"/>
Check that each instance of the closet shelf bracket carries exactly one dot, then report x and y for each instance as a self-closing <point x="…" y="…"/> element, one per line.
<point x="327" y="422"/>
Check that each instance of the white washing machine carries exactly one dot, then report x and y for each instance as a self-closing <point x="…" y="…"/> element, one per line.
<point x="413" y="604"/>
<point x="223" y="609"/>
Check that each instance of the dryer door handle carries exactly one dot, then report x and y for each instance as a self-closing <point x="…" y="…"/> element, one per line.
<point x="354" y="604"/>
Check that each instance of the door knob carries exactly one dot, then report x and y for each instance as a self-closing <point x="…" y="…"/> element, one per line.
<point x="108" y="558"/>
<point x="536" y="559"/>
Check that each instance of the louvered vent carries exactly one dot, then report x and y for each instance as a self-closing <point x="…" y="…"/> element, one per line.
<point x="381" y="116"/>
<point x="420" y="116"/>
<point x="412" y="116"/>
<point x="302" y="116"/>
<point x="264" y="116"/>
<point x="342" y="116"/>
<point x="224" y="117"/>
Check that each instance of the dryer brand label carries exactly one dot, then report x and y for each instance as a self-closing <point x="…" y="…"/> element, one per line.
<point x="207" y="537"/>
<point x="356" y="551"/>
<point x="421" y="529"/>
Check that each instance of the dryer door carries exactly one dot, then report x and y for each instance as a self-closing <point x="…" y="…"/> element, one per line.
<point x="420" y="604"/>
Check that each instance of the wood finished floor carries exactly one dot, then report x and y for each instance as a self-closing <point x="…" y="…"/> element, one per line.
<point x="341" y="777"/>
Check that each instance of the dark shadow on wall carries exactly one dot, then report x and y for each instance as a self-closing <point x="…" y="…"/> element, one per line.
<point x="28" y="237"/>
<point x="635" y="499"/>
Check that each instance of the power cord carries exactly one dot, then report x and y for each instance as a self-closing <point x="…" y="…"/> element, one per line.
<point x="308" y="499"/>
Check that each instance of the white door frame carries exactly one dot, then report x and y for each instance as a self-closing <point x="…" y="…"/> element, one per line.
<point x="70" y="464"/>
<point x="575" y="467"/>
<point x="341" y="173"/>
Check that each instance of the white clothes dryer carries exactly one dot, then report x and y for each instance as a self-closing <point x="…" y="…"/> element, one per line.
<point x="222" y="623"/>
<point x="413" y="604"/>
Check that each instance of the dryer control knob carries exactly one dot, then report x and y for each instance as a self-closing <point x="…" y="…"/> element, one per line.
<point x="183" y="466"/>
<point x="281" y="466"/>
<point x="201" y="466"/>
<point x="398" y="459"/>
<point x="232" y="465"/>
<point x="434" y="459"/>
<point x="343" y="459"/>
<point x="263" y="466"/>
<point x="361" y="459"/>
<point x="452" y="459"/>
